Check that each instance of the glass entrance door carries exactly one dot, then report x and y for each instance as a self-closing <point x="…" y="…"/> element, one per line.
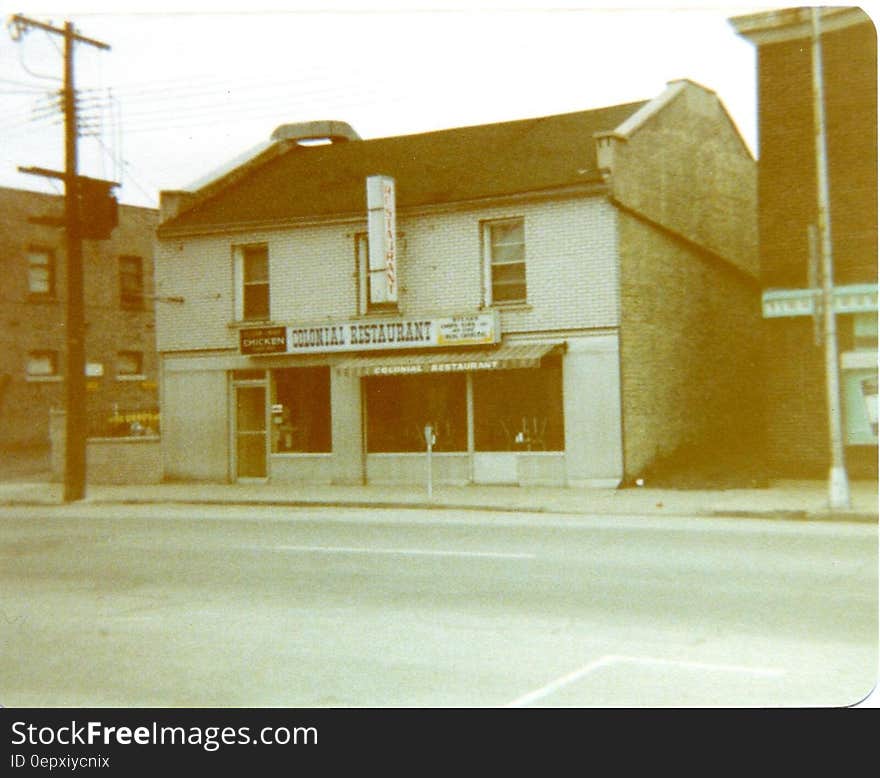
<point x="250" y="431"/>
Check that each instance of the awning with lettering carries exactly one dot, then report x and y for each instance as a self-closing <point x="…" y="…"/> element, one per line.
<point x="506" y="357"/>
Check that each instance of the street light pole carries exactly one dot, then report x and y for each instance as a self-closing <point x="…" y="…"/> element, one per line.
<point x="838" y="484"/>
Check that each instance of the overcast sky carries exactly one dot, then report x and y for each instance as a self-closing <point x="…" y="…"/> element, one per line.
<point x="184" y="90"/>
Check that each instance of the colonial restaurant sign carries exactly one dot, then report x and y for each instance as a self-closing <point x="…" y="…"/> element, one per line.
<point x="467" y="330"/>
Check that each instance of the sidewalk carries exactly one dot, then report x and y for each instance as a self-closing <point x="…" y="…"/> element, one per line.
<point x="782" y="499"/>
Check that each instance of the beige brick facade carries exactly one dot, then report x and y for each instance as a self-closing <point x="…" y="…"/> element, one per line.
<point x="571" y="271"/>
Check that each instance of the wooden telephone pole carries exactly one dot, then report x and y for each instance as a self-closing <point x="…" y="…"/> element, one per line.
<point x="75" y="447"/>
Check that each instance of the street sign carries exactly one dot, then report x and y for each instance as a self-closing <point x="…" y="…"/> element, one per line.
<point x="854" y="298"/>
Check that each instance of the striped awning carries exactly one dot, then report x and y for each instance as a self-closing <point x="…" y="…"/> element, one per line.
<point x="504" y="357"/>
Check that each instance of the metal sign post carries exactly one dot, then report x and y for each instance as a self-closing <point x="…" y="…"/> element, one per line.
<point x="838" y="482"/>
<point x="430" y="440"/>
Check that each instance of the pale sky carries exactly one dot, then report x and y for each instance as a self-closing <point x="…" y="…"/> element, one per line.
<point x="183" y="90"/>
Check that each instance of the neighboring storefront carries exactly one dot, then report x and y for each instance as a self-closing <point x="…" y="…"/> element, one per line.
<point x="798" y="440"/>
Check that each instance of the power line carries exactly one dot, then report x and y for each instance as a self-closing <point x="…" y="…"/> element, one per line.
<point x="125" y="174"/>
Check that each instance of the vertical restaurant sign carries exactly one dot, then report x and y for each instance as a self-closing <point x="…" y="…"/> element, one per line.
<point x="382" y="238"/>
<point x="474" y="329"/>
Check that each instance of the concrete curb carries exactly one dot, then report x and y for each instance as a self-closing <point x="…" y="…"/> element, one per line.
<point x="671" y="511"/>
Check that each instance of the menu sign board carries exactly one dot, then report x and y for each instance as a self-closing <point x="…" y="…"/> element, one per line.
<point x="263" y="340"/>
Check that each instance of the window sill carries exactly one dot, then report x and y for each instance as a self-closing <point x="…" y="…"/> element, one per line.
<point x="243" y="323"/>
<point x="42" y="298"/>
<point x="133" y="377"/>
<point x="388" y="313"/>
<point x="512" y="306"/>
<point x="301" y="454"/>
<point x="43" y="379"/>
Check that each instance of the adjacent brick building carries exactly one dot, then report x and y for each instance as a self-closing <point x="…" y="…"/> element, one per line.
<point x="576" y="300"/>
<point x="120" y="322"/>
<point x="794" y="367"/>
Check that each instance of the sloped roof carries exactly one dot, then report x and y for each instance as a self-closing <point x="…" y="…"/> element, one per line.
<point x="445" y="166"/>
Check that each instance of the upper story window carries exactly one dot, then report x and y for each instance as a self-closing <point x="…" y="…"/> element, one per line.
<point x="369" y="280"/>
<point x="41" y="272"/>
<point x="504" y="250"/>
<point x="42" y="364"/>
<point x="129" y="364"/>
<point x="252" y="282"/>
<point x="131" y="282"/>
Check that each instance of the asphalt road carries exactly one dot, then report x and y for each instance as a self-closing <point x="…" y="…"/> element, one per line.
<point x="247" y="607"/>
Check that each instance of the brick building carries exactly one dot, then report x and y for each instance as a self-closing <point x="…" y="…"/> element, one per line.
<point x="576" y="299"/>
<point x="120" y="323"/>
<point x="794" y="366"/>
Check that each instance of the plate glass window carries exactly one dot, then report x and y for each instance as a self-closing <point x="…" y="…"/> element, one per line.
<point x="399" y="408"/>
<point x="255" y="282"/>
<point x="41" y="272"/>
<point x="301" y="411"/>
<point x="505" y="249"/>
<point x="520" y="409"/>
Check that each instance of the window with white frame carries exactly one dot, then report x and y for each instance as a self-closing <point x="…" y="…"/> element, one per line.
<point x="42" y="364"/>
<point x="366" y="284"/>
<point x="504" y="257"/>
<point x="252" y="282"/>
<point x="129" y="365"/>
<point x="41" y="272"/>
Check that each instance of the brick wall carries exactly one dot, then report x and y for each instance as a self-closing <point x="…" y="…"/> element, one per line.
<point x="690" y="351"/>
<point x="787" y="178"/>
<point x="29" y="324"/>
<point x="570" y="266"/>
<point x="686" y="167"/>
<point x="795" y="370"/>
<point x="797" y="416"/>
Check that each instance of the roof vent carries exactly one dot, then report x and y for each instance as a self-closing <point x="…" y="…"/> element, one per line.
<point x="316" y="133"/>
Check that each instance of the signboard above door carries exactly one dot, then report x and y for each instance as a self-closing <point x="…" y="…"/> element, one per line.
<point x="475" y="329"/>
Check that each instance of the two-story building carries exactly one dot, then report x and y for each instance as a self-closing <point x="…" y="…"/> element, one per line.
<point x="566" y="300"/>
<point x="121" y="369"/>
<point x="797" y="405"/>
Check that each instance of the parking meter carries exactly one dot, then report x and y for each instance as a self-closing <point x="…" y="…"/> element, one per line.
<point x="430" y="440"/>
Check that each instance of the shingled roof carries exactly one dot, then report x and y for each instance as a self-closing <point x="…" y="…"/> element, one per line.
<point x="446" y="166"/>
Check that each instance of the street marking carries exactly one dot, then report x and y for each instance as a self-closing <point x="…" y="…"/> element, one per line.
<point x="610" y="659"/>
<point x="400" y="551"/>
<point x="544" y="691"/>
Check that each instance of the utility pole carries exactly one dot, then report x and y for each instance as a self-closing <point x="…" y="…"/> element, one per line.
<point x="838" y="484"/>
<point x="75" y="446"/>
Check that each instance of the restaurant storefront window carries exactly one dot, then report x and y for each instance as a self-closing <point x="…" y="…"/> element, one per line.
<point x="300" y="410"/>
<point x="399" y="407"/>
<point x="521" y="409"/>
